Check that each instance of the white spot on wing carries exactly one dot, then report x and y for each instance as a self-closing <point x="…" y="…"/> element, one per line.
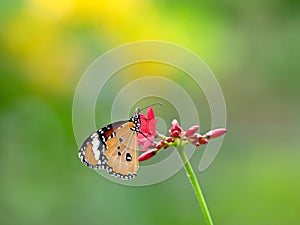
<point x="95" y="145"/>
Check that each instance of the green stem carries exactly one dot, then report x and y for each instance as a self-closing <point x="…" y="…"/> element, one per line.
<point x="193" y="179"/>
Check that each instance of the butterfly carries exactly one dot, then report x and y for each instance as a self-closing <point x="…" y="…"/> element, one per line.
<point x="114" y="148"/>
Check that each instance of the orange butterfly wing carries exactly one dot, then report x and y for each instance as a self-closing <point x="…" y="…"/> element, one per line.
<point x="114" y="148"/>
<point x="122" y="152"/>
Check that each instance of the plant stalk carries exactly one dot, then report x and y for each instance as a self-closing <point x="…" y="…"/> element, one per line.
<point x="194" y="181"/>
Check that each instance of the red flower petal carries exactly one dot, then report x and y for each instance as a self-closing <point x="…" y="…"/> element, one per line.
<point x="148" y="129"/>
<point x="150" y="113"/>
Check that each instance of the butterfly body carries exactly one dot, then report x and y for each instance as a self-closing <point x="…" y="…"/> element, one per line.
<point x="114" y="148"/>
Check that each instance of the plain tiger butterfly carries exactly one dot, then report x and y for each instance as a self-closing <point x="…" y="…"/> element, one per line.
<point x="114" y="148"/>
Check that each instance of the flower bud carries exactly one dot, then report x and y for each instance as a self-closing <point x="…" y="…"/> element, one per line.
<point x="195" y="136"/>
<point x="174" y="133"/>
<point x="215" y="133"/>
<point x="161" y="144"/>
<point x="191" y="131"/>
<point x="147" y="155"/>
<point x="202" y="141"/>
<point x="175" y="126"/>
<point x="169" y="139"/>
<point x="197" y="139"/>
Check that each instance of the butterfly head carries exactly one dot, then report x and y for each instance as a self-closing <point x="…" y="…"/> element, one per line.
<point x="135" y="119"/>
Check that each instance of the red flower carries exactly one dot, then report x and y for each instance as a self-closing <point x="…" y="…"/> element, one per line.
<point x="177" y="135"/>
<point x="148" y="130"/>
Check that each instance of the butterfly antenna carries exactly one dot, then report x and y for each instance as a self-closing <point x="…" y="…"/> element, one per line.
<point x="138" y="110"/>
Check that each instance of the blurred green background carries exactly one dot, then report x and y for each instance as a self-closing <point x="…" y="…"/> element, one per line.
<point x="253" y="48"/>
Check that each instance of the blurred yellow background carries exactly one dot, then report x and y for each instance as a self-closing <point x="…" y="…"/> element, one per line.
<point x="252" y="47"/>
